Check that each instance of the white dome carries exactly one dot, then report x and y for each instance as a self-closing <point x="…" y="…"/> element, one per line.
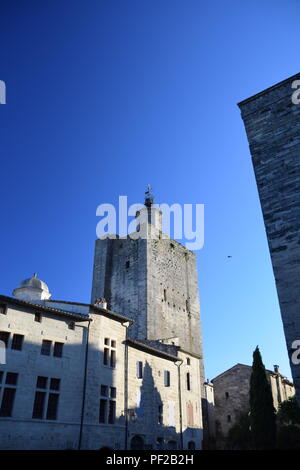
<point x="32" y="289"/>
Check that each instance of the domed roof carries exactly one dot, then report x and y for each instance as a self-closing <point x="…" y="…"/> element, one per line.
<point x="34" y="283"/>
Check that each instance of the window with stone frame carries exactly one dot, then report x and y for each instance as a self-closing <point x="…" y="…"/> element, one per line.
<point x="46" y="398"/>
<point x="139" y="369"/>
<point x="167" y="378"/>
<point x="109" y="352"/>
<point x="46" y="347"/>
<point x="188" y="381"/>
<point x="17" y="342"/>
<point x="3" y="309"/>
<point x="38" y="317"/>
<point x="107" y="405"/>
<point x="8" y="387"/>
<point x="4" y="337"/>
<point x="58" y="349"/>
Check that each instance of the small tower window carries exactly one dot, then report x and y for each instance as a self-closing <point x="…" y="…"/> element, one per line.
<point x="38" y="317"/>
<point x="226" y="395"/>
<point x="228" y="419"/>
<point x="71" y="325"/>
<point x="165" y="295"/>
<point x="139" y="369"/>
<point x="127" y="264"/>
<point x="188" y="381"/>
<point x="167" y="378"/>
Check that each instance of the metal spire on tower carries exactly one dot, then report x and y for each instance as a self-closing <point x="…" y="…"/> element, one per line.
<point x="148" y="196"/>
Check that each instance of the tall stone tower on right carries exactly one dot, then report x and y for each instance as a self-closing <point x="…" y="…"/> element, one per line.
<point x="272" y="122"/>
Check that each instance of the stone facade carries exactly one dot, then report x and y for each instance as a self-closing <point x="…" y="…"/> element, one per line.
<point x="153" y="280"/>
<point x="231" y="394"/>
<point x="149" y="400"/>
<point x="272" y="123"/>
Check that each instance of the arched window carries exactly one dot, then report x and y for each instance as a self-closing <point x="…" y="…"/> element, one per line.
<point x="172" y="445"/>
<point x="137" y="443"/>
<point x="191" y="445"/>
<point x="190" y="414"/>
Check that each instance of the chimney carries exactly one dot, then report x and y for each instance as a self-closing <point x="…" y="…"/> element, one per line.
<point x="101" y="302"/>
<point x="276" y="369"/>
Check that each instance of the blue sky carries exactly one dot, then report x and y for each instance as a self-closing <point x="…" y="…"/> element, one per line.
<point x="104" y="97"/>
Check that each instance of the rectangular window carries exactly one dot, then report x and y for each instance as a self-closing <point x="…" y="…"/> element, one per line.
<point x="113" y="392"/>
<point x="46" y="347"/>
<point x="3" y="309"/>
<point x="71" y="325"/>
<point x="188" y="381"/>
<point x="38" y="317"/>
<point x="11" y="378"/>
<point x="54" y="384"/>
<point x="167" y="378"/>
<point x="41" y="382"/>
<point x="58" y="349"/>
<point x="39" y="405"/>
<point x="17" y="342"/>
<point x="4" y="336"/>
<point x="139" y="369"/>
<point x="109" y="353"/>
<point x="7" y="402"/>
<point x="52" y="406"/>
<point x="112" y="412"/>
<point x="113" y="358"/>
<point x="102" y="411"/>
<point x="106" y="356"/>
<point x="104" y="390"/>
<point x="46" y="401"/>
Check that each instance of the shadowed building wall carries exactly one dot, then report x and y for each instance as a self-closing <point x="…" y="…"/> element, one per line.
<point x="272" y="123"/>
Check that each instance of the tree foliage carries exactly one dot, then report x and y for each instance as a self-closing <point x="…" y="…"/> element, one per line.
<point x="289" y="411"/>
<point x="239" y="435"/>
<point x="262" y="411"/>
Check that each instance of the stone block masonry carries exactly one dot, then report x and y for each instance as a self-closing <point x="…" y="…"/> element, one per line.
<point x="272" y="123"/>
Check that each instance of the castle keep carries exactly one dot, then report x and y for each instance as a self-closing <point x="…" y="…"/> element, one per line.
<point x="123" y="372"/>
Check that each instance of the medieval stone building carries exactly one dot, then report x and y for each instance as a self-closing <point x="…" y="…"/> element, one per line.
<point x="123" y="373"/>
<point x="231" y="396"/>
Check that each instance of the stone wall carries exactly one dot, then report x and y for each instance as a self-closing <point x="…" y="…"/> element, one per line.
<point x="231" y="395"/>
<point x="145" y="395"/>
<point x="272" y="124"/>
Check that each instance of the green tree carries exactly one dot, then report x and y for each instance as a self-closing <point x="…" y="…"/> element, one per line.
<point x="239" y="435"/>
<point x="288" y="420"/>
<point x="289" y="411"/>
<point x="262" y="411"/>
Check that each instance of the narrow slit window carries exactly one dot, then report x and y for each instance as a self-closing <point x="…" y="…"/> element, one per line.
<point x="188" y="381"/>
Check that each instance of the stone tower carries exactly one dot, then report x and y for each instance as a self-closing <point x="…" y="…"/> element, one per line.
<point x="153" y="280"/>
<point x="272" y="122"/>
